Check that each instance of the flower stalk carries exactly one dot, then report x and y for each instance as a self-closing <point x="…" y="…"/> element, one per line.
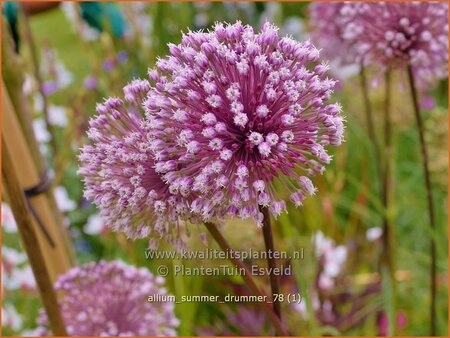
<point x="387" y="258"/>
<point x="428" y="188"/>
<point x="369" y="120"/>
<point x="271" y="262"/>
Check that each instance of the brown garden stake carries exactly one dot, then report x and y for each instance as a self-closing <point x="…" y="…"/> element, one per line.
<point x="47" y="231"/>
<point x="30" y="240"/>
<point x="13" y="74"/>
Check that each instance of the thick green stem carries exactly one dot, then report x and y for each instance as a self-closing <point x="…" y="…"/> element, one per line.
<point x="369" y="121"/>
<point x="247" y="276"/>
<point x="428" y="187"/>
<point x="387" y="258"/>
<point x="271" y="262"/>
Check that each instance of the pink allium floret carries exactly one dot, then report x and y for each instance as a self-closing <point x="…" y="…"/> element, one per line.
<point x="110" y="299"/>
<point x="393" y="34"/>
<point x="234" y="113"/>
<point x="120" y="175"/>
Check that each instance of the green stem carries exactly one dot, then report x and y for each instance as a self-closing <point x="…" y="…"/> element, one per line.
<point x="247" y="276"/>
<point x="428" y="187"/>
<point x="387" y="259"/>
<point x="271" y="262"/>
<point x="369" y="120"/>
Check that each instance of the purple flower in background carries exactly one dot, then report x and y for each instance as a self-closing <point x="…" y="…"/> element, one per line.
<point x="234" y="113"/>
<point x="428" y="102"/>
<point x="90" y="82"/>
<point x="108" y="65"/>
<point x="393" y="34"/>
<point x="120" y="175"/>
<point x="383" y="323"/>
<point x="110" y="299"/>
<point x="122" y="56"/>
<point x="49" y="87"/>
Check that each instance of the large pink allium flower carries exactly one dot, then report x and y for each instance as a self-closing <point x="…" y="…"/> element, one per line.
<point x="110" y="299"/>
<point x="394" y="34"/>
<point x="236" y="115"/>
<point x="120" y="176"/>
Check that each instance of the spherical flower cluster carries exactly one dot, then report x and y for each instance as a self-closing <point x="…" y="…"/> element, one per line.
<point x="400" y="33"/>
<point x="235" y="113"/>
<point x="120" y="175"/>
<point x="110" y="299"/>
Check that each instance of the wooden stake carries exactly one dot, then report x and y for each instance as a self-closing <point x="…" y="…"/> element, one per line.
<point x="56" y="257"/>
<point x="13" y="75"/>
<point x="31" y="242"/>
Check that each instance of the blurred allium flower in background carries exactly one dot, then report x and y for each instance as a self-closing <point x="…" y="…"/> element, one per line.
<point x="233" y="113"/>
<point x="395" y="34"/>
<point x="327" y="26"/>
<point x="387" y="34"/>
<point x="120" y="175"/>
<point x="110" y="298"/>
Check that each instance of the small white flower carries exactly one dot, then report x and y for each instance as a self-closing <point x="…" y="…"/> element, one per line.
<point x="57" y="115"/>
<point x="8" y="221"/>
<point x="62" y="199"/>
<point x="11" y="318"/>
<point x="373" y="234"/>
<point x="95" y="225"/>
<point x="40" y="131"/>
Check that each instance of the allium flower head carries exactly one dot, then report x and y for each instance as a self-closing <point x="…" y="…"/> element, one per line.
<point x="120" y="175"/>
<point x="238" y="112"/>
<point x="327" y="26"/>
<point x="393" y="34"/>
<point x="110" y="299"/>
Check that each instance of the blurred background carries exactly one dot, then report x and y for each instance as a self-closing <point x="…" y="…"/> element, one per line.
<point x="66" y="57"/>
